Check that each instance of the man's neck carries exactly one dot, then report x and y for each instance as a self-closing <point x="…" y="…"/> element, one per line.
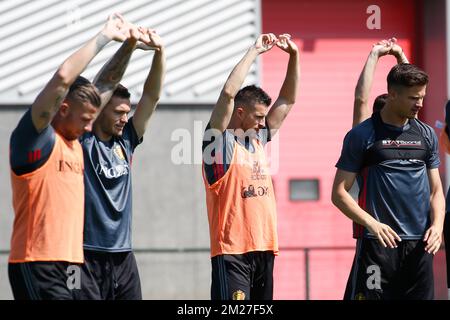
<point x="101" y="134"/>
<point x="392" y="118"/>
<point x="60" y="130"/>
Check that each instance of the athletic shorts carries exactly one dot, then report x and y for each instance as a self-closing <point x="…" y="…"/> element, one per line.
<point x="109" y="276"/>
<point x="247" y="276"/>
<point x="447" y="244"/>
<point x="43" y="280"/>
<point x="402" y="273"/>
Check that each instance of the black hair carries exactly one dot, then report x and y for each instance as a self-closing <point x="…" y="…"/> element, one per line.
<point x="406" y="75"/>
<point x="83" y="90"/>
<point x="251" y="95"/>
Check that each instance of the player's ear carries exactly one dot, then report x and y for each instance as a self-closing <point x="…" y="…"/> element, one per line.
<point x="64" y="109"/>
<point x="240" y="112"/>
<point x="393" y="93"/>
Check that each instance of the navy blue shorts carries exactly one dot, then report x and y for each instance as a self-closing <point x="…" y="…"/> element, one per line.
<point x="53" y="280"/>
<point x="247" y="276"/>
<point x="380" y="273"/>
<point x="447" y="245"/>
<point x="109" y="276"/>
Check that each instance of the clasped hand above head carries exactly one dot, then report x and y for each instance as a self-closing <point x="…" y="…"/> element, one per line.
<point x="119" y="29"/>
<point x="267" y="41"/>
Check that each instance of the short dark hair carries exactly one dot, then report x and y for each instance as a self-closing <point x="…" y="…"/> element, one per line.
<point x="379" y="102"/>
<point x="121" y="92"/>
<point x="251" y="95"/>
<point x="83" y="90"/>
<point x="406" y="75"/>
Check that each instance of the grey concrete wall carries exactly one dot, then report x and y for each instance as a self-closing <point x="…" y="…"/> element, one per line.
<point x="8" y="120"/>
<point x="169" y="206"/>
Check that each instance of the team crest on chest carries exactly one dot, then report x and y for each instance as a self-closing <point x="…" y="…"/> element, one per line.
<point x="239" y="295"/>
<point x="258" y="172"/>
<point x="119" y="152"/>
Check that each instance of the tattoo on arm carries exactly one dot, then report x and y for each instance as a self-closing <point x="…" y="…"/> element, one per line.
<point x="101" y="41"/>
<point x="47" y="114"/>
<point x="115" y="74"/>
<point x="58" y="101"/>
<point x="113" y="71"/>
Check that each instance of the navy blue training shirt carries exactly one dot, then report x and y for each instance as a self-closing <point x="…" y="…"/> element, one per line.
<point x="108" y="194"/>
<point x="30" y="149"/>
<point x="391" y="165"/>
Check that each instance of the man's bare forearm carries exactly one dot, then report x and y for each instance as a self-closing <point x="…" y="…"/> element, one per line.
<point x="155" y="78"/>
<point x="73" y="66"/>
<point x="365" y="79"/>
<point x="110" y="75"/>
<point x="223" y="110"/>
<point x="361" y="109"/>
<point x="289" y="89"/>
<point x="240" y="71"/>
<point x="348" y="206"/>
<point x="437" y="209"/>
<point x="152" y="91"/>
<point x="401" y="58"/>
<point x="49" y="100"/>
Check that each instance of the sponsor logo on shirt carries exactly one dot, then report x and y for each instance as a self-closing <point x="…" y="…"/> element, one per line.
<point x="251" y="191"/>
<point x="401" y="143"/>
<point x="69" y="166"/>
<point x="112" y="172"/>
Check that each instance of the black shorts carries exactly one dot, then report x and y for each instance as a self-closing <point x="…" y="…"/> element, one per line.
<point x="247" y="276"/>
<point x="44" y="280"/>
<point x="447" y="244"/>
<point x="379" y="273"/>
<point x="109" y="276"/>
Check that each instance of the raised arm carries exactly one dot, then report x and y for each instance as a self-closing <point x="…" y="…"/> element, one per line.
<point x="153" y="84"/>
<point x="361" y="109"/>
<point x="397" y="52"/>
<point x="111" y="73"/>
<point x="289" y="89"/>
<point x="342" y="199"/>
<point x="49" y="99"/>
<point x="223" y="109"/>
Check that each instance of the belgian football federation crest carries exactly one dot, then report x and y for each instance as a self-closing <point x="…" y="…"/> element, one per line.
<point x="258" y="172"/>
<point x="360" y="296"/>
<point x="119" y="152"/>
<point x="239" y="295"/>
